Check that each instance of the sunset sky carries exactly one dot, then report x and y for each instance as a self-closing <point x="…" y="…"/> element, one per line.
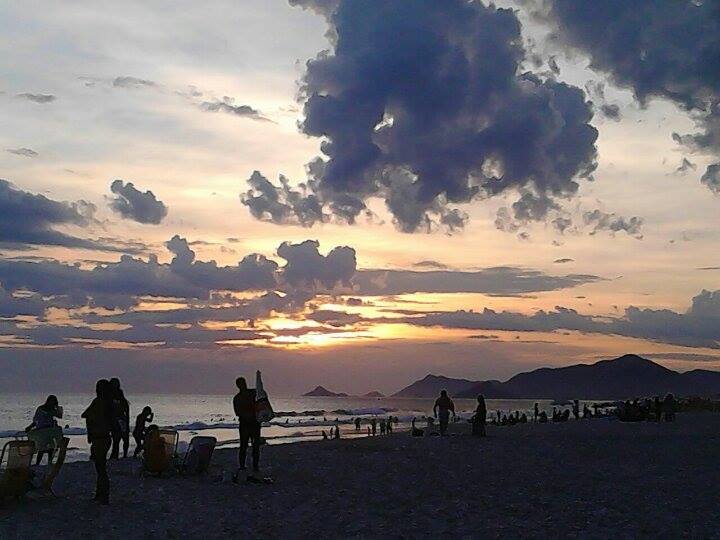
<point x="354" y="193"/>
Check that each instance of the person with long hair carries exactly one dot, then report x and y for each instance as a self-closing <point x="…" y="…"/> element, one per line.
<point x="480" y="418"/>
<point x="44" y="418"/>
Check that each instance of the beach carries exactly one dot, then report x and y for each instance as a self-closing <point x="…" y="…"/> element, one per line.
<point x="588" y="478"/>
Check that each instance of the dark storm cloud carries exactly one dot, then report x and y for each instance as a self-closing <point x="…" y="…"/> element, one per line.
<point x="133" y="204"/>
<point x="37" y="98"/>
<point x="602" y="221"/>
<point x="29" y="219"/>
<point x="24" y="152"/>
<point x="132" y="82"/>
<point x="666" y="49"/>
<point x="227" y="105"/>
<point x="422" y="103"/>
<point x="697" y="327"/>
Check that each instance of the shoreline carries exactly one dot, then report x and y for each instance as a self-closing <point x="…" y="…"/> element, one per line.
<point x="591" y="478"/>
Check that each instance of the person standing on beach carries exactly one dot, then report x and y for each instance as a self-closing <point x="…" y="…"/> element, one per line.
<point x="248" y="425"/>
<point x="357" y="424"/>
<point x="99" y="420"/>
<point x="443" y="405"/>
<point x="121" y="427"/>
<point x="478" y="425"/>
<point x="373" y="424"/>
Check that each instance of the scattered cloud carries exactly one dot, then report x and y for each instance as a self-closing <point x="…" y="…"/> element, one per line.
<point x="37" y="98"/>
<point x="133" y="204"/>
<point x="227" y="105"/>
<point x="24" y="152"/>
<point x="132" y="82"/>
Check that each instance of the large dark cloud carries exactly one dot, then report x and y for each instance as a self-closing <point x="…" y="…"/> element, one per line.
<point x="666" y="49"/>
<point x="30" y="219"/>
<point x="132" y="203"/>
<point x="423" y="103"/>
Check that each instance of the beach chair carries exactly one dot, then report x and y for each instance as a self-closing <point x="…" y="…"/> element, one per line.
<point x="46" y="439"/>
<point x="54" y="468"/>
<point x="199" y="455"/>
<point x="15" y="476"/>
<point x="159" y="451"/>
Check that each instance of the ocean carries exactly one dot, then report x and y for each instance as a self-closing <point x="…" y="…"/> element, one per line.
<point x="298" y="418"/>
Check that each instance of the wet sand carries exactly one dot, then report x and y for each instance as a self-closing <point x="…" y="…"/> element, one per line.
<point x="588" y="479"/>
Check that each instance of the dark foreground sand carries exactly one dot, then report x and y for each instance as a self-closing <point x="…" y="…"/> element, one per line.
<point x="589" y="479"/>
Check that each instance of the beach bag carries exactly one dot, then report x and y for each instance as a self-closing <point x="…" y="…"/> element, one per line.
<point x="263" y="410"/>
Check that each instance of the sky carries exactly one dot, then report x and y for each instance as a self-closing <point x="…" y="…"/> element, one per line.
<point x="354" y="193"/>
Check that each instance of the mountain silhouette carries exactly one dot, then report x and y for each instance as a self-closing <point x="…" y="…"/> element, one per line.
<point x="320" y="391"/>
<point x="625" y="377"/>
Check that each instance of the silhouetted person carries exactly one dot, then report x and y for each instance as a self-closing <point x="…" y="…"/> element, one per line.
<point x="523" y="418"/>
<point x="498" y="417"/>
<point x="324" y="435"/>
<point x="536" y="412"/>
<point x="99" y="418"/>
<point x="382" y="426"/>
<point x="669" y="408"/>
<point x="373" y="424"/>
<point x="543" y="418"/>
<point x="369" y="432"/>
<point x="44" y="418"/>
<point x="142" y="419"/>
<point x="337" y="432"/>
<point x="121" y="427"/>
<point x="415" y="431"/>
<point x="480" y="418"/>
<point x="587" y="413"/>
<point x="389" y="426"/>
<point x="441" y="410"/>
<point x="248" y="425"/>
<point x="576" y="409"/>
<point x="357" y="424"/>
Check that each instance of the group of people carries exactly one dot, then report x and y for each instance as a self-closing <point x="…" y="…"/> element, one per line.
<point x="648" y="409"/>
<point x="107" y="420"/>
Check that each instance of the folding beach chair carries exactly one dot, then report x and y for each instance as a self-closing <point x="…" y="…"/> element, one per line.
<point x="159" y="450"/>
<point x="54" y="468"/>
<point x="15" y="476"/>
<point x="199" y="455"/>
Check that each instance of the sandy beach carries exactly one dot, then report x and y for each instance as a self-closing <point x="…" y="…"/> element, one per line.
<point x="590" y="479"/>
